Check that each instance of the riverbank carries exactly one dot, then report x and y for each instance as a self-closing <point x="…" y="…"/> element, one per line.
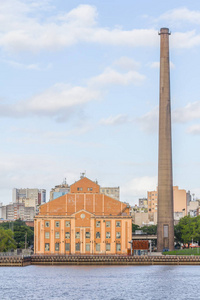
<point x="98" y="260"/>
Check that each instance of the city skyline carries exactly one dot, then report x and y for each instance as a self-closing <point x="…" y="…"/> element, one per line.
<point x="80" y="91"/>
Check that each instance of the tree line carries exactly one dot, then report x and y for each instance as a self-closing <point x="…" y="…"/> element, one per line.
<point x="14" y="234"/>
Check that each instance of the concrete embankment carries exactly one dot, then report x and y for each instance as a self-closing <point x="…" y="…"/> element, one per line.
<point x="15" y="261"/>
<point x="20" y="261"/>
<point x="114" y="260"/>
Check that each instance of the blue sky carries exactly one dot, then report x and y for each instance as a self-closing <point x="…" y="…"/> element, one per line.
<point x="80" y="92"/>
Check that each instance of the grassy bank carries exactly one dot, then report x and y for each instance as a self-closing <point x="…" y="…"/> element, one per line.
<point x="194" y="251"/>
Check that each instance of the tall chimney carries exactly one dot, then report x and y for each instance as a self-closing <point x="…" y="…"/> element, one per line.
<point x="165" y="230"/>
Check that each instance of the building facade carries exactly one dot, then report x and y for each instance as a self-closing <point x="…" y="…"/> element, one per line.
<point x="30" y="197"/>
<point x="180" y="201"/>
<point x="83" y="221"/>
<point x="59" y="190"/>
<point x="113" y="192"/>
<point x="16" y="211"/>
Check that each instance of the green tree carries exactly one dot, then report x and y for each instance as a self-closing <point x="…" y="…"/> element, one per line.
<point x="188" y="229"/>
<point x="152" y="229"/>
<point x="135" y="227"/>
<point x="20" y="230"/>
<point x="6" y="240"/>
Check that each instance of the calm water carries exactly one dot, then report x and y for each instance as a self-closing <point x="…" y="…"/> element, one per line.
<point x="100" y="282"/>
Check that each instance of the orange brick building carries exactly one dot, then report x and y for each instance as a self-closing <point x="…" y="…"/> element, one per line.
<point x="83" y="221"/>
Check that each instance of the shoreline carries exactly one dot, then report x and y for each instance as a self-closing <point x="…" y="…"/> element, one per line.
<point x="21" y="261"/>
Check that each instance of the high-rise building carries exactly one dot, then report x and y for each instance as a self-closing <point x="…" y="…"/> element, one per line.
<point x="30" y="197"/>
<point x="16" y="211"/>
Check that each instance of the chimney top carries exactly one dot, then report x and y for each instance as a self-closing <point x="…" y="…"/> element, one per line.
<point x="164" y="30"/>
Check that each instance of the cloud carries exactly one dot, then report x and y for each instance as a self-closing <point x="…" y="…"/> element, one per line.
<point x="115" y="120"/>
<point x="188" y="113"/>
<point x="194" y="129"/>
<point x="149" y="121"/>
<point x="35" y="66"/>
<point x="156" y="65"/>
<point x="62" y="100"/>
<point x="126" y="63"/>
<point x="112" y="77"/>
<point x="25" y="28"/>
<point x="138" y="187"/>
<point x="179" y="15"/>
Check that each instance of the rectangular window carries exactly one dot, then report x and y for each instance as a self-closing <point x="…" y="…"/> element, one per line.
<point x="107" y="246"/>
<point x="79" y="189"/>
<point x="118" y="224"/>
<point x="67" y="224"/>
<point x="118" y="235"/>
<point x="98" y="223"/>
<point x="67" y="246"/>
<point x="107" y="223"/>
<point x="77" y="246"/>
<point x="57" y="246"/>
<point x="47" y="224"/>
<point x="98" y="235"/>
<point x="87" y="235"/>
<point x="57" y="224"/>
<point x="46" y="235"/>
<point x="165" y="231"/>
<point x="89" y="189"/>
<point x="77" y="235"/>
<point x="97" y="247"/>
<point x="87" y="247"/>
<point x="46" y="246"/>
<point x="67" y="235"/>
<point x="118" y="247"/>
<point x="107" y="235"/>
<point x="57" y="235"/>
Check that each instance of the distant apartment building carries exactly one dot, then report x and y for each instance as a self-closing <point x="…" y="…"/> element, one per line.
<point x="59" y="190"/>
<point x="32" y="197"/>
<point x="180" y="201"/>
<point x="16" y="211"/>
<point x="113" y="192"/>
<point x="143" y="203"/>
<point x="1" y="204"/>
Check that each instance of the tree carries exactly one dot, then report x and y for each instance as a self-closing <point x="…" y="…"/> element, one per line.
<point x="188" y="229"/>
<point x="135" y="227"/>
<point x="152" y="229"/>
<point x="20" y="229"/>
<point x="6" y="240"/>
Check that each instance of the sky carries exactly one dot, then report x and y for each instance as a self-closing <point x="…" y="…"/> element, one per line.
<point x="80" y="93"/>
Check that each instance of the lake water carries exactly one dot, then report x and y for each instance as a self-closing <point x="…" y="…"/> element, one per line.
<point x="100" y="282"/>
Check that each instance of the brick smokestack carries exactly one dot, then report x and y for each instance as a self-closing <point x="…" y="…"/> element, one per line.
<point x="165" y="231"/>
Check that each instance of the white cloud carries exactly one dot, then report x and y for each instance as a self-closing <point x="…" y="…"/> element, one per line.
<point x="156" y="65"/>
<point x="32" y="66"/>
<point x="60" y="100"/>
<point x="138" y="187"/>
<point x="126" y="63"/>
<point x="21" y="30"/>
<point x="179" y="15"/>
<point x="194" y="129"/>
<point x="115" y="120"/>
<point x="186" y="40"/>
<point x="25" y="28"/>
<point x="188" y="113"/>
<point x="112" y="77"/>
<point x="149" y="121"/>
